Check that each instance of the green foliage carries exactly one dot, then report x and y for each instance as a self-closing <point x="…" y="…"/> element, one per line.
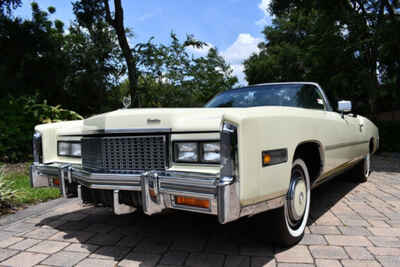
<point x="7" y="5"/>
<point x="350" y="47"/>
<point x="32" y="59"/>
<point x="19" y="116"/>
<point x="15" y="190"/>
<point x="77" y="69"/>
<point x="43" y="113"/>
<point x="172" y="77"/>
<point x="96" y="59"/>
<point x="82" y="69"/>
<point x="7" y="193"/>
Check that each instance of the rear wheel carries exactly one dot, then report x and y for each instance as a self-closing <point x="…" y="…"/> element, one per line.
<point x="291" y="220"/>
<point x="362" y="170"/>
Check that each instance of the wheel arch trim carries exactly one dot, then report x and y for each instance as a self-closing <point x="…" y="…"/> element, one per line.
<point x="320" y="149"/>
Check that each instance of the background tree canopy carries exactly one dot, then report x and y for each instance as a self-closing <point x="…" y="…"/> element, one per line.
<point x="85" y="69"/>
<point x="351" y="48"/>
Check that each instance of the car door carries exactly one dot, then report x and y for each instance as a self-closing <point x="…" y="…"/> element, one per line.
<point x="349" y="134"/>
<point x="344" y="139"/>
<point x="339" y="133"/>
<point x="355" y="143"/>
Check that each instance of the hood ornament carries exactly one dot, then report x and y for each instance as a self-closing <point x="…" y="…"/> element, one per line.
<point x="126" y="101"/>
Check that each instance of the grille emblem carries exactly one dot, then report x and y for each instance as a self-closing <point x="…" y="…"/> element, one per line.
<point x="150" y="121"/>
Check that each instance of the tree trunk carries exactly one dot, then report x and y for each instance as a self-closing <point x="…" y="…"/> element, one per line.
<point x="118" y="24"/>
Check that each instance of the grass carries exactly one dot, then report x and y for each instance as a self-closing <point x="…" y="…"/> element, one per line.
<point x="16" y="189"/>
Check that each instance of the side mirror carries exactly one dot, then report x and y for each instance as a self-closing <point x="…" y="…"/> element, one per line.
<point x="344" y="106"/>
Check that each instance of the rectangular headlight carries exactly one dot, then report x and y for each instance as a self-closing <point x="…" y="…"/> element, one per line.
<point x="63" y="148"/>
<point x="197" y="151"/>
<point x="76" y="149"/>
<point x="210" y="152"/>
<point x="186" y="152"/>
<point x="69" y="149"/>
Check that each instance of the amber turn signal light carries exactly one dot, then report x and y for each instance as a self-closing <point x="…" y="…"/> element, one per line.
<point x="272" y="157"/>
<point x="266" y="159"/>
<point x="191" y="201"/>
<point x="152" y="194"/>
<point x="56" y="181"/>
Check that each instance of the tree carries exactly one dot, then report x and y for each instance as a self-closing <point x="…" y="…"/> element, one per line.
<point x="7" y="5"/>
<point x="96" y="62"/>
<point x="99" y="10"/>
<point x="27" y="49"/>
<point x="118" y="23"/>
<point x="172" y="77"/>
<point x="77" y="69"/>
<point x="343" y="45"/>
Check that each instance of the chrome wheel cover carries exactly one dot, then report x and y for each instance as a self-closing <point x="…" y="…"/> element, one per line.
<point x="297" y="197"/>
<point x="296" y="214"/>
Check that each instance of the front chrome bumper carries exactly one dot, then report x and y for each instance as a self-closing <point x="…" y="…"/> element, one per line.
<point x="222" y="193"/>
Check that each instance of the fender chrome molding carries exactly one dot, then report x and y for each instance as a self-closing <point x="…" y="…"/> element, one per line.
<point x="229" y="183"/>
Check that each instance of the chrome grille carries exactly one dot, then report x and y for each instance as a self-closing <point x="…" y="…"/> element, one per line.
<point x="124" y="153"/>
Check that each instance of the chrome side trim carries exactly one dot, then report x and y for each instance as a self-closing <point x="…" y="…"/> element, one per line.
<point x="335" y="172"/>
<point x="341" y="145"/>
<point x="263" y="206"/>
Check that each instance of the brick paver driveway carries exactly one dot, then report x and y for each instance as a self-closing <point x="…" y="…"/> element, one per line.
<point x="351" y="225"/>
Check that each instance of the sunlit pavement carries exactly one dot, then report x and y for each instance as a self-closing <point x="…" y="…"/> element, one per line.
<point x="351" y="225"/>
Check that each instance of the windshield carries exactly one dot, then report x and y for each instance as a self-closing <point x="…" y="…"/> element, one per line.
<point x="290" y="95"/>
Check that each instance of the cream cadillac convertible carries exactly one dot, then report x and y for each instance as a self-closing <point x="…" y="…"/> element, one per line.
<point x="249" y="150"/>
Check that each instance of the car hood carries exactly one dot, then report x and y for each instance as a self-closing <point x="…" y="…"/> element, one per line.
<point x="175" y="119"/>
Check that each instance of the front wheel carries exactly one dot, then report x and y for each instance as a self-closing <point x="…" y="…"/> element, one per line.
<point x="291" y="219"/>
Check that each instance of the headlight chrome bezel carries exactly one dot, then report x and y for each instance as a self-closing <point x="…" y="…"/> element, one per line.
<point x="69" y="149"/>
<point x="199" y="150"/>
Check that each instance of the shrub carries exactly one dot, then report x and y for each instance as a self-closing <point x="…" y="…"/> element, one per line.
<point x="18" y="118"/>
<point x="16" y="191"/>
<point x="7" y="194"/>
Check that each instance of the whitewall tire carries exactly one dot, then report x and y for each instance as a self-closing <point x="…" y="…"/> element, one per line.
<point x="291" y="219"/>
